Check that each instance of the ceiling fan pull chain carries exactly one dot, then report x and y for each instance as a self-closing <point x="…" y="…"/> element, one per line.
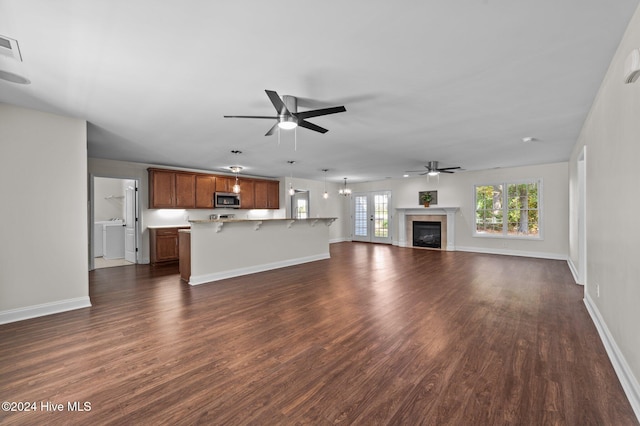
<point x="295" y="139"/>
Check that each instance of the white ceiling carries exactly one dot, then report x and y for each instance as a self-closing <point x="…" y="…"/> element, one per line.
<point x="460" y="82"/>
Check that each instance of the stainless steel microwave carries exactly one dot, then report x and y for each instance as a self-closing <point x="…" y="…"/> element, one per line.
<point x="228" y="200"/>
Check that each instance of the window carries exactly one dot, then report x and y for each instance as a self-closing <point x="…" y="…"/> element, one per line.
<point x="509" y="210"/>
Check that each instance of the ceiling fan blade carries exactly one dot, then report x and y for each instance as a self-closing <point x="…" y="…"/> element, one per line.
<point x="444" y="171"/>
<point x="277" y="103"/>
<point x="318" y="112"/>
<point x="346" y="100"/>
<point x="311" y="126"/>
<point x="447" y="168"/>
<point x="272" y="130"/>
<point x="250" y="116"/>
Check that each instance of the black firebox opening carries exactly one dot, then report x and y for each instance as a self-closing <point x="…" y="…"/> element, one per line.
<point x="427" y="234"/>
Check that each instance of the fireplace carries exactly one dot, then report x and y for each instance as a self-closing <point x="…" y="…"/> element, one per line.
<point x="427" y="234"/>
<point x="445" y="215"/>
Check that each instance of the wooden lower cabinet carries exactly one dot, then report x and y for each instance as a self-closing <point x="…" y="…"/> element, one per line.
<point x="163" y="245"/>
<point x="184" y="243"/>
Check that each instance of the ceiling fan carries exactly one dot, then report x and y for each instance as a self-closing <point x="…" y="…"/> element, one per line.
<point x="433" y="169"/>
<point x="288" y="116"/>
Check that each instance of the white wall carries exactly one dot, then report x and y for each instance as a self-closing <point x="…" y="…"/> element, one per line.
<point x="108" y="199"/>
<point x="43" y="214"/>
<point x="612" y="136"/>
<point x="457" y="190"/>
<point x="334" y="206"/>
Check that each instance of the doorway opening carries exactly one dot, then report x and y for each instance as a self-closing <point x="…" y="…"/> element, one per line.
<point x="300" y="204"/>
<point x="113" y="227"/>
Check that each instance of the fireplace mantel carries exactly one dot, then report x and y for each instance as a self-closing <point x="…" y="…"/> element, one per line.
<point x="449" y="212"/>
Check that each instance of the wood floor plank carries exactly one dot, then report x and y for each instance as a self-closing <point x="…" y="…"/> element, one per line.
<point x="366" y="337"/>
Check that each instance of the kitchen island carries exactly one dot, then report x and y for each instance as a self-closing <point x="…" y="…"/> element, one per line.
<point x="226" y="248"/>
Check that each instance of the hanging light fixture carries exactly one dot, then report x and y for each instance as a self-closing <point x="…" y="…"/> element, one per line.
<point x="291" y="190"/>
<point x="344" y="190"/>
<point x="326" y="194"/>
<point x="236" y="170"/>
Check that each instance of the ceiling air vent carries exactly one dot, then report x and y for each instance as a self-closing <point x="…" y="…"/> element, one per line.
<point x="9" y="47"/>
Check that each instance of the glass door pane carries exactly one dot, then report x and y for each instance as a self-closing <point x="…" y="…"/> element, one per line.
<point x="360" y="221"/>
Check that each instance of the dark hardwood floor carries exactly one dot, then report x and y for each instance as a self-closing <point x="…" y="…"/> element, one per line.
<point x="375" y="335"/>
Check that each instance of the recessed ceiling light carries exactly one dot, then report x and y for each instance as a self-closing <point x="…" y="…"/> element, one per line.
<point x="528" y="139"/>
<point x="405" y="175"/>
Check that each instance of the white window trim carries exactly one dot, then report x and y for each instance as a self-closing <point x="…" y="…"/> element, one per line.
<point x="505" y="204"/>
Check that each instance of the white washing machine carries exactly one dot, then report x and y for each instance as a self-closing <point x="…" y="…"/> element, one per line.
<point x="109" y="239"/>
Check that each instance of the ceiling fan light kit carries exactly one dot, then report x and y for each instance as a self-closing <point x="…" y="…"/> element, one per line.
<point x="287" y="123"/>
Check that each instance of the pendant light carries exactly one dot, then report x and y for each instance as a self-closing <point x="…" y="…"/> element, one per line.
<point x="236" y="170"/>
<point x="291" y="190"/>
<point x="344" y="190"/>
<point x="326" y="194"/>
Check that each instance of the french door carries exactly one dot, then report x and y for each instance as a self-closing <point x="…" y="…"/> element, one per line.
<point x="371" y="216"/>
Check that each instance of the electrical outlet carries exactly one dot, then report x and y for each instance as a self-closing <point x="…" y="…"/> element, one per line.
<point x="597" y="290"/>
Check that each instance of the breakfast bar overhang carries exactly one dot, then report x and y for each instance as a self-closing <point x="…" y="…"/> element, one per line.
<point x="226" y="248"/>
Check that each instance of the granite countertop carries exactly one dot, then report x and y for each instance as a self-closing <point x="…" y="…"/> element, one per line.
<point x="169" y="226"/>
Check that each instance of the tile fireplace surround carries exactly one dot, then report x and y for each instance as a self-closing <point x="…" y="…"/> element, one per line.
<point x="446" y="215"/>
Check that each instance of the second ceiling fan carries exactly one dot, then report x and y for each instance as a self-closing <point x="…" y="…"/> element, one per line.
<point x="288" y="116"/>
<point x="433" y="169"/>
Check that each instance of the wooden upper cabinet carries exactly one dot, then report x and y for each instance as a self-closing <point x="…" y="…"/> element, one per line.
<point x="273" y="194"/>
<point x="205" y="187"/>
<point x="267" y="194"/>
<point x="162" y="189"/>
<point x="224" y="184"/>
<point x="260" y="195"/>
<point x="185" y="190"/>
<point x="174" y="189"/>
<point x="247" y="193"/>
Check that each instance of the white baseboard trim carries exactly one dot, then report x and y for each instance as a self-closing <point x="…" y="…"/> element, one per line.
<point x="339" y="240"/>
<point x="627" y="380"/>
<point x="207" y="278"/>
<point x="41" y="310"/>
<point x="505" y="252"/>
<point x="574" y="271"/>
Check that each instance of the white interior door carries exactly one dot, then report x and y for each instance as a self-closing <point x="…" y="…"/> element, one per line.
<point x="371" y="217"/>
<point x="131" y="202"/>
